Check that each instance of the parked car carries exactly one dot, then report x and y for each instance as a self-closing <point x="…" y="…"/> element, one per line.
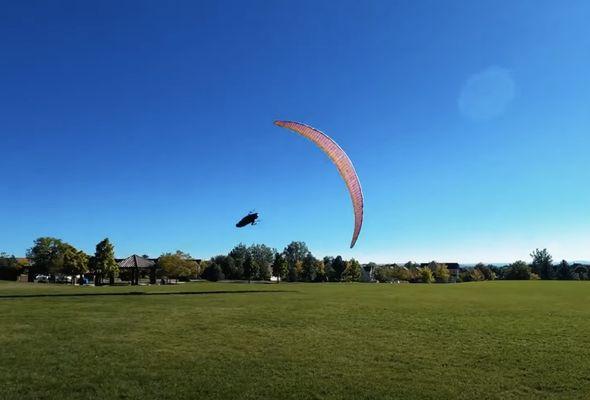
<point x="42" y="279"/>
<point x="63" y="279"/>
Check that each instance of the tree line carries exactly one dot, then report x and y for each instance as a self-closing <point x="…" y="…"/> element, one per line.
<point x="52" y="256"/>
<point x="295" y="263"/>
<point x="55" y="257"/>
<point x="540" y="267"/>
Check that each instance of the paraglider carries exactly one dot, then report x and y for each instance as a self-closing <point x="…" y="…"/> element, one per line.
<point x="249" y="219"/>
<point x="342" y="162"/>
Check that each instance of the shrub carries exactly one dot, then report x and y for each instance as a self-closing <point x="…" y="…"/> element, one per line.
<point x="441" y="273"/>
<point x="213" y="273"/>
<point x="390" y="273"/>
<point x="471" y="275"/>
<point x="426" y="275"/>
<point x="518" y="271"/>
<point x="9" y="268"/>
<point x="486" y="271"/>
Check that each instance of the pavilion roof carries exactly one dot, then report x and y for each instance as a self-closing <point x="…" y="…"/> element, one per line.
<point x="136" y="261"/>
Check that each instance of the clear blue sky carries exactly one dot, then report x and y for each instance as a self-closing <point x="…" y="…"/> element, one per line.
<point x="152" y="123"/>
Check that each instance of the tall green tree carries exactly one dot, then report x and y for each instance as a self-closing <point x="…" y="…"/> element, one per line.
<point x="564" y="271"/>
<point x="75" y="262"/>
<point x="352" y="271"/>
<point x="542" y="264"/>
<point x="46" y="256"/>
<point x="212" y="272"/>
<point x="320" y="269"/>
<point x="104" y="261"/>
<point x="263" y="257"/>
<point x="294" y="254"/>
<point x="279" y="267"/>
<point x="328" y="270"/>
<point x="238" y="255"/>
<point x="202" y="265"/>
<point x="338" y="267"/>
<point x="229" y="266"/>
<point x="309" y="269"/>
<point x="249" y="268"/>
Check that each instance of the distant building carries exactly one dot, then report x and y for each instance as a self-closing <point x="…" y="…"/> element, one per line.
<point x="368" y="272"/>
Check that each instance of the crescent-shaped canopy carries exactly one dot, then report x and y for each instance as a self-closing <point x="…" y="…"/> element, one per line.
<point x="342" y="162"/>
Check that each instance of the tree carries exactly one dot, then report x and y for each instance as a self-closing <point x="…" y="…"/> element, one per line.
<point x="390" y="273"/>
<point x="321" y="275"/>
<point x="471" y="275"/>
<point x="92" y="268"/>
<point x="249" y="267"/>
<point x="263" y="257"/>
<point x="75" y="262"/>
<point x="328" y="269"/>
<point x="384" y="273"/>
<point x="46" y="256"/>
<point x="441" y="273"/>
<point x="279" y="267"/>
<point x="413" y="271"/>
<point x="213" y="272"/>
<point x="309" y="271"/>
<point x="498" y="272"/>
<point x="178" y="265"/>
<point x="238" y="254"/>
<point x="564" y="271"/>
<point x="9" y="267"/>
<point x="294" y="254"/>
<point x="426" y="275"/>
<point x="104" y="262"/>
<point x="202" y="267"/>
<point x="338" y="267"/>
<point x="542" y="264"/>
<point x="228" y="266"/>
<point x="518" y="271"/>
<point x="486" y="271"/>
<point x="352" y="272"/>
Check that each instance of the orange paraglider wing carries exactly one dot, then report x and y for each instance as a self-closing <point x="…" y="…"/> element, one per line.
<point x="342" y="162"/>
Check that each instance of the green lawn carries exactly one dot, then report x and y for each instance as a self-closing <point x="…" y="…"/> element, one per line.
<point x="493" y="340"/>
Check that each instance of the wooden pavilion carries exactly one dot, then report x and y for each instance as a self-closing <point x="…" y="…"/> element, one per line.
<point x="136" y="265"/>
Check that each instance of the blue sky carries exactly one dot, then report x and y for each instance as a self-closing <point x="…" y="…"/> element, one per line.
<point x="152" y="123"/>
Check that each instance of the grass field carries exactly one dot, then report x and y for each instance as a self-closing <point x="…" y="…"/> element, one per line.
<point x="493" y="340"/>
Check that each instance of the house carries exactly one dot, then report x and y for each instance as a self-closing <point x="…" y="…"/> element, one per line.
<point x="368" y="272"/>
